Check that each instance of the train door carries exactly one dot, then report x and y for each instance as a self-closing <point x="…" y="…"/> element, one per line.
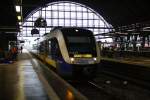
<point x="57" y="56"/>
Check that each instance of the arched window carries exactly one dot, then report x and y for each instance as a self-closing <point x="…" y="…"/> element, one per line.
<point x="65" y="13"/>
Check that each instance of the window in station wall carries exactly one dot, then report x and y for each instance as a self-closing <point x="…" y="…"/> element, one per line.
<point x="65" y="13"/>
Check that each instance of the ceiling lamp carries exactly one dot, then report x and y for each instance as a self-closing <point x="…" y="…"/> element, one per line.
<point x="19" y="17"/>
<point x="18" y="9"/>
<point x="20" y="23"/>
<point x="40" y="22"/>
<point x="34" y="31"/>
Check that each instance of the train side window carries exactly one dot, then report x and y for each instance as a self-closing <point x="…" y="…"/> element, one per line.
<point x="41" y="48"/>
<point x="52" y="48"/>
<point x="55" y="50"/>
<point x="46" y="47"/>
<point x="49" y="47"/>
<point x="58" y="53"/>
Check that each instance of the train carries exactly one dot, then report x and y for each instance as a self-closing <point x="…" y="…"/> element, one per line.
<point x="73" y="52"/>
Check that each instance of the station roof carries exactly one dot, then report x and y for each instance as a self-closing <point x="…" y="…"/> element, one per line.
<point x="116" y="12"/>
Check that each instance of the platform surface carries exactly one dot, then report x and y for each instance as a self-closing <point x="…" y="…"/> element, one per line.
<point x="19" y="81"/>
<point x="142" y="61"/>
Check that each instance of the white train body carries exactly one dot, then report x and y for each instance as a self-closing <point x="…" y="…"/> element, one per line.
<point x="71" y="51"/>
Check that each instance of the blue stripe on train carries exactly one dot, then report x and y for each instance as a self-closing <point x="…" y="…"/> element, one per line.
<point x="63" y="67"/>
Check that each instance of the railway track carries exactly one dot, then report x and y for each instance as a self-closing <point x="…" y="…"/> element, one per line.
<point x="138" y="75"/>
<point x="121" y="87"/>
<point x="93" y="91"/>
<point x="107" y="87"/>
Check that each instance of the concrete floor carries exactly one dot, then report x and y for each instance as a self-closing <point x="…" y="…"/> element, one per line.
<point x="19" y="81"/>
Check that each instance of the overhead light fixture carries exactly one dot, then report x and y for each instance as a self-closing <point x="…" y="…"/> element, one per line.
<point x="21" y="27"/>
<point x="18" y="9"/>
<point x="76" y="30"/>
<point x="19" y="17"/>
<point x="34" y="31"/>
<point x="20" y="23"/>
<point x="20" y="30"/>
<point x="40" y="22"/>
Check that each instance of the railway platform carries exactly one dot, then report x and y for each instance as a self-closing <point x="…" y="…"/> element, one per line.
<point x="19" y="81"/>
<point x="23" y="80"/>
<point x="141" y="61"/>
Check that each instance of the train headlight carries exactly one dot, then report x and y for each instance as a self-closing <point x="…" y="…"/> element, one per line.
<point x="72" y="59"/>
<point x="94" y="59"/>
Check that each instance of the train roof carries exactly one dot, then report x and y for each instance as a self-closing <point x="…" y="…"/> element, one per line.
<point x="73" y="30"/>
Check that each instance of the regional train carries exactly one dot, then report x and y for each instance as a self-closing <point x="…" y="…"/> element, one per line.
<point x="72" y="51"/>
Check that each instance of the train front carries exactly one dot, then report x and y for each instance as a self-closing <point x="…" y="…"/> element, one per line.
<point x="84" y="54"/>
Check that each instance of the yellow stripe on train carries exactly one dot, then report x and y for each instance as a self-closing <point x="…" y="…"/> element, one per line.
<point x="50" y="61"/>
<point x="83" y="55"/>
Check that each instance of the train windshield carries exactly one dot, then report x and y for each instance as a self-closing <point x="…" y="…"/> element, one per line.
<point x="81" y="45"/>
<point x="79" y="41"/>
<point x="75" y="39"/>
